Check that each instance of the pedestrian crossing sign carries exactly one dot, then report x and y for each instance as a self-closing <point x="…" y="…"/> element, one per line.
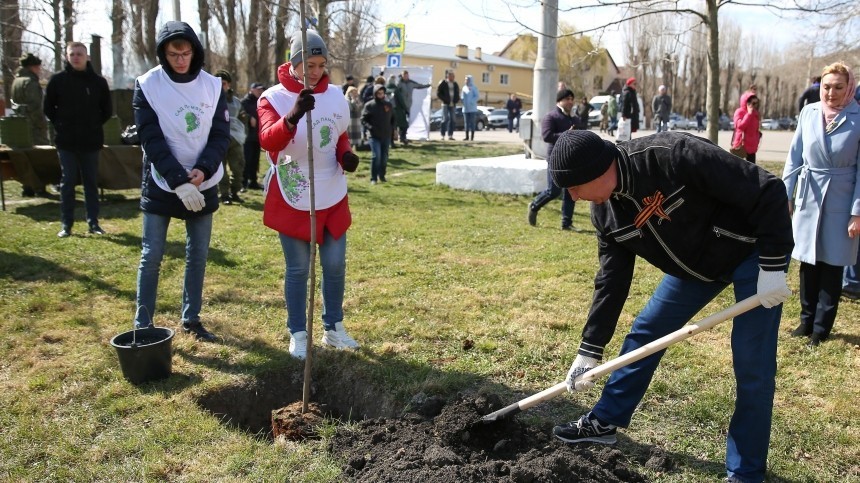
<point x="395" y="37"/>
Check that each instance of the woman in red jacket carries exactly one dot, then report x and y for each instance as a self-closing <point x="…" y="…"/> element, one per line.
<point x="284" y="137"/>
<point x="747" y="125"/>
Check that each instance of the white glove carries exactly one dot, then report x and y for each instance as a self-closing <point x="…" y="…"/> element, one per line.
<point x="580" y="366"/>
<point x="772" y="289"/>
<point x="191" y="197"/>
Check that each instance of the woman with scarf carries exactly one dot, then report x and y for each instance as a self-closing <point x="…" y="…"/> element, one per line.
<point x="284" y="137"/>
<point x="823" y="182"/>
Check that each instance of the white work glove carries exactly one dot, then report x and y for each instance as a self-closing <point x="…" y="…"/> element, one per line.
<point x="772" y="289"/>
<point x="580" y="366"/>
<point x="191" y="197"/>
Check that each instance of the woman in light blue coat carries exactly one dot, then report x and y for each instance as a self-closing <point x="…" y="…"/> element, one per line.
<point x="470" y="107"/>
<point x="822" y="178"/>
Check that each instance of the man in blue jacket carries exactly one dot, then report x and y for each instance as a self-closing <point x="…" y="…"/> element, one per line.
<point x="77" y="101"/>
<point x="184" y="130"/>
<point x="706" y="219"/>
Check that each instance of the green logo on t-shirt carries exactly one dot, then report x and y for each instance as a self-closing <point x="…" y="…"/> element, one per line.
<point x="191" y="122"/>
<point x="325" y="136"/>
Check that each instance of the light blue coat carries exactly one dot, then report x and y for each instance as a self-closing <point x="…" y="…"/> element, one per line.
<point x="821" y="174"/>
<point x="470" y="96"/>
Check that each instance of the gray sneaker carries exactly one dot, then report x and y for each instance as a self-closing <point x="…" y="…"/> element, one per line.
<point x="587" y="429"/>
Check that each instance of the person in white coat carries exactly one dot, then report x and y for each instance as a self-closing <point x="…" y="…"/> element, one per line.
<point x="823" y="182"/>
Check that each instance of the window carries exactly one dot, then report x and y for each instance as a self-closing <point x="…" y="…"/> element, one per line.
<point x="503" y="79"/>
<point x="485" y="78"/>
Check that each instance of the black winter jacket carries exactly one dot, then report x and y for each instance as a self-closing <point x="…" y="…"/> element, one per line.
<point x="630" y="107"/>
<point x="378" y="118"/>
<point x="553" y="125"/>
<point x="155" y="148"/>
<point x="690" y="209"/>
<point x="445" y="96"/>
<point x="78" y="103"/>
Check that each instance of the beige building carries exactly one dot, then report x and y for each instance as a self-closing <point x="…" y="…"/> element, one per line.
<point x="496" y="77"/>
<point x="593" y="72"/>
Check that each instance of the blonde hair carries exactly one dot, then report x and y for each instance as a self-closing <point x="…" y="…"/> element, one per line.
<point x="836" y="68"/>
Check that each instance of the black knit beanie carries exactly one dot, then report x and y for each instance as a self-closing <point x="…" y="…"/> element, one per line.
<point x="579" y="157"/>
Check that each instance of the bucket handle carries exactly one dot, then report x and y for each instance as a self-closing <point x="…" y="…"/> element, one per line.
<point x="134" y="323"/>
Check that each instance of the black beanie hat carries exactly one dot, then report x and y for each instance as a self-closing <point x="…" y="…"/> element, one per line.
<point x="563" y="94"/>
<point x="579" y="157"/>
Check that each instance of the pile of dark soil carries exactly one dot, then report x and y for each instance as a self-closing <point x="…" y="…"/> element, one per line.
<point x="439" y="442"/>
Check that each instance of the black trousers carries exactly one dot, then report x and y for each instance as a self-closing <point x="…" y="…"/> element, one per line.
<point x="820" y="289"/>
<point x="251" y="152"/>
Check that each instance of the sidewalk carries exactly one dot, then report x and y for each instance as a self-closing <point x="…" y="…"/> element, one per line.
<point x="774" y="144"/>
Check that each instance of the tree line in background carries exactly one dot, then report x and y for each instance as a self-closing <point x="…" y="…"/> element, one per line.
<point x="249" y="38"/>
<point x="664" y="44"/>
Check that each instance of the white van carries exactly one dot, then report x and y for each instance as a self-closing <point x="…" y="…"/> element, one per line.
<point x="594" y="117"/>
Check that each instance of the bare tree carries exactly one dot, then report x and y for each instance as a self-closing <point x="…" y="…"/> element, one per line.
<point x="11" y="30"/>
<point x="118" y="18"/>
<point x="354" y="25"/>
<point x="282" y="17"/>
<point x="142" y="32"/>
<point x="205" y="16"/>
<point x="225" y="12"/>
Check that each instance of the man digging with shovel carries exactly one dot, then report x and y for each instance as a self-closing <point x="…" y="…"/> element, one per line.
<point x="706" y="219"/>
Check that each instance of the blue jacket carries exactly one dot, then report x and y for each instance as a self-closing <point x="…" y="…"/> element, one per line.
<point x="822" y="176"/>
<point x="470" y="96"/>
<point x="155" y="148"/>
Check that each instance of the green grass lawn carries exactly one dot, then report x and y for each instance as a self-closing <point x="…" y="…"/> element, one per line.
<point x="428" y="268"/>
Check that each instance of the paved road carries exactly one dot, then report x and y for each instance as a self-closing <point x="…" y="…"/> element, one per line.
<point x="774" y="146"/>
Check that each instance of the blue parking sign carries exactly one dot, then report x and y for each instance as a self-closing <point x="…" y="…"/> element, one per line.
<point x="393" y="60"/>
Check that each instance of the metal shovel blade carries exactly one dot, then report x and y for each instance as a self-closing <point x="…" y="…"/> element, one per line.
<point x="628" y="358"/>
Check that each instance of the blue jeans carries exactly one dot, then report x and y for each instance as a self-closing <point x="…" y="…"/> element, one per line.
<point x="297" y="254"/>
<point x="661" y="125"/>
<point x="851" y="277"/>
<point x="198" y="231"/>
<point x="552" y="192"/>
<point x="378" y="158"/>
<point x="753" y="342"/>
<point x="86" y="165"/>
<point x="447" y="120"/>
<point x="469" y="120"/>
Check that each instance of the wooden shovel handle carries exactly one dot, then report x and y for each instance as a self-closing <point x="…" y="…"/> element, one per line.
<point x="647" y="349"/>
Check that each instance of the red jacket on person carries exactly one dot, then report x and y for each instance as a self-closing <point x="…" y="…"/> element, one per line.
<point x="274" y="137"/>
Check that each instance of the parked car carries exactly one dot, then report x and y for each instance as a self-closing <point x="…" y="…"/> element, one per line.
<point x="459" y="120"/>
<point x="594" y="116"/>
<point x="725" y="123"/>
<point x="677" y="121"/>
<point x="789" y="123"/>
<point x="499" y="119"/>
<point x="770" y="124"/>
<point x="486" y="110"/>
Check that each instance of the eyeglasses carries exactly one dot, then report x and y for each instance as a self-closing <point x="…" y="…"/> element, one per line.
<point x="176" y="56"/>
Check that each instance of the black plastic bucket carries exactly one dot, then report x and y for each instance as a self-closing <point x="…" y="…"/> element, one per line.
<point x="144" y="354"/>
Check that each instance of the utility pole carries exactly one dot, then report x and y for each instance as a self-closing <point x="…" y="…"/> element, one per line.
<point x="176" y="15"/>
<point x="546" y="70"/>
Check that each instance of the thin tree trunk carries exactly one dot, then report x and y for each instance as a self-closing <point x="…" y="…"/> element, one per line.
<point x="205" y="15"/>
<point x="58" y="39"/>
<point x="713" y="71"/>
<point x="10" y="36"/>
<point x="118" y="17"/>
<point x="68" y="21"/>
<point x="281" y="41"/>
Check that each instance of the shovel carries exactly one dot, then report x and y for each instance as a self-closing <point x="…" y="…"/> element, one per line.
<point x="628" y="358"/>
